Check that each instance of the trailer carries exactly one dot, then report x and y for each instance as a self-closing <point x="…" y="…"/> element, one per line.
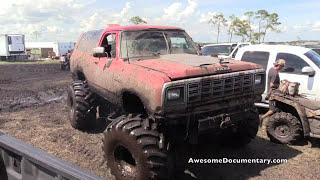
<point x="21" y="161"/>
<point x="12" y="47"/>
<point x="49" y="49"/>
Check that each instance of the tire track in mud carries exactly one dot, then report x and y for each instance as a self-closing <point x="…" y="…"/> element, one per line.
<point x="12" y="101"/>
<point x="27" y="85"/>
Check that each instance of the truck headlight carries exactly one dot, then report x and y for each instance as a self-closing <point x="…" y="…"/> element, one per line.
<point x="175" y="94"/>
<point x="258" y="79"/>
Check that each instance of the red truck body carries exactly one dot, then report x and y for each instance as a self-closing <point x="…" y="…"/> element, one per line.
<point x="145" y="78"/>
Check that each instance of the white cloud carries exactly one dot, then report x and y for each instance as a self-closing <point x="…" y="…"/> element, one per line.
<point x="101" y="18"/>
<point x="126" y="9"/>
<point x="56" y="20"/>
<point x="45" y="18"/>
<point x="64" y="19"/>
<point x="207" y="16"/>
<point x="190" y="9"/>
<point x="175" y="12"/>
<point x="307" y="26"/>
<point x="299" y="27"/>
<point x="316" y="26"/>
<point x="283" y="28"/>
<point x="91" y="22"/>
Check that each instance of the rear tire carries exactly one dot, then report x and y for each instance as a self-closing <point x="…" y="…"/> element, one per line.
<point x="284" y="128"/>
<point x="132" y="150"/>
<point x="82" y="114"/>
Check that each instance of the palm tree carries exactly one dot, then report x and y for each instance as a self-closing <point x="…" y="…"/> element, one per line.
<point x="231" y="26"/>
<point x="218" y="21"/>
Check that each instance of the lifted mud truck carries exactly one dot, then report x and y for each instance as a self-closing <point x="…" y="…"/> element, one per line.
<point x="297" y="117"/>
<point x="157" y="91"/>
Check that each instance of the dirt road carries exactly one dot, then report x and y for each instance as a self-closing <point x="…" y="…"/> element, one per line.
<point x="33" y="109"/>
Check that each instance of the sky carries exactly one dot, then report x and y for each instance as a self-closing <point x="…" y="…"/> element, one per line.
<point x="65" y="20"/>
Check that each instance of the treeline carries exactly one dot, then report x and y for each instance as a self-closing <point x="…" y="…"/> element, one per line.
<point x="252" y="26"/>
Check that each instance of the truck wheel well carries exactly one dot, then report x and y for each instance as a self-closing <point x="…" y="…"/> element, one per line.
<point x="131" y="103"/>
<point x="289" y="109"/>
<point x="79" y="76"/>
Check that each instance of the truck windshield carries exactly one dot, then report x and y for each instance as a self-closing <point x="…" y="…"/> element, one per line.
<point x="216" y="50"/>
<point x="139" y="44"/>
<point x="314" y="57"/>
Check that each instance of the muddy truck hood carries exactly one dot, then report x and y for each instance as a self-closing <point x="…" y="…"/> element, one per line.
<point x="180" y="66"/>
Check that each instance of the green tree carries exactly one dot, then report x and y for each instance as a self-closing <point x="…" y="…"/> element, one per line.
<point x="249" y="15"/>
<point x="261" y="15"/>
<point x="137" y="20"/>
<point x="242" y="29"/>
<point x="255" y="37"/>
<point x="218" y="20"/>
<point x="231" y="26"/>
<point x="272" y="23"/>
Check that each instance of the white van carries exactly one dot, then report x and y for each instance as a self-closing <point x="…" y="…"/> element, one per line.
<point x="302" y="65"/>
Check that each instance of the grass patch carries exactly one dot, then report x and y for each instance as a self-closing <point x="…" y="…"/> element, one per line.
<point x="31" y="62"/>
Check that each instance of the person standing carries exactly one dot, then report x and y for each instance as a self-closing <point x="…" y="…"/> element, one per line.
<point x="273" y="84"/>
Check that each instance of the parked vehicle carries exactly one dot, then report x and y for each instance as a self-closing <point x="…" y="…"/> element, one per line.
<point x="302" y="66"/>
<point x="52" y="50"/>
<point x="12" y="47"/>
<point x="315" y="48"/>
<point x="157" y="92"/>
<point x="297" y="118"/>
<point x="224" y="50"/>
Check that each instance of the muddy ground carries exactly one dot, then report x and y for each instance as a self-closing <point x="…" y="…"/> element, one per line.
<point x="33" y="109"/>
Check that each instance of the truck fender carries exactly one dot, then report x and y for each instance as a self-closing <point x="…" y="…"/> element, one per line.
<point x="301" y="112"/>
<point x="303" y="118"/>
<point x="143" y="99"/>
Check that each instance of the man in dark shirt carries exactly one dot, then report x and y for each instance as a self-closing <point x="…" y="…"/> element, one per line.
<point x="273" y="84"/>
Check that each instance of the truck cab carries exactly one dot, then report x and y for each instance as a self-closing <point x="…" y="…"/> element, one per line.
<point x="302" y="65"/>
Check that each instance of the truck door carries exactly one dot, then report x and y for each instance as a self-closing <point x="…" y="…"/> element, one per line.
<point x="292" y="72"/>
<point x="106" y="65"/>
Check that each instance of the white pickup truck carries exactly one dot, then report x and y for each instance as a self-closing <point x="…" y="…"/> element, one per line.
<point x="223" y="50"/>
<point x="302" y="65"/>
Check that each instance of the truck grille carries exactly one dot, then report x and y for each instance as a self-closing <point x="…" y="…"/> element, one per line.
<point x="213" y="88"/>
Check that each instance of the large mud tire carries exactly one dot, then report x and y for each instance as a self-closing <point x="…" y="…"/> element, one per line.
<point x="133" y="151"/>
<point x="284" y="128"/>
<point x="246" y="130"/>
<point x="81" y="101"/>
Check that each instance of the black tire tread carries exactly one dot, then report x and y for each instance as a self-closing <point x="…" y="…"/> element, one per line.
<point x="146" y="139"/>
<point x="294" y="123"/>
<point x="84" y="113"/>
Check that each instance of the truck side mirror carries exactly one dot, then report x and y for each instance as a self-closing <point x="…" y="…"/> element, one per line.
<point x="308" y="71"/>
<point x="99" y="52"/>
